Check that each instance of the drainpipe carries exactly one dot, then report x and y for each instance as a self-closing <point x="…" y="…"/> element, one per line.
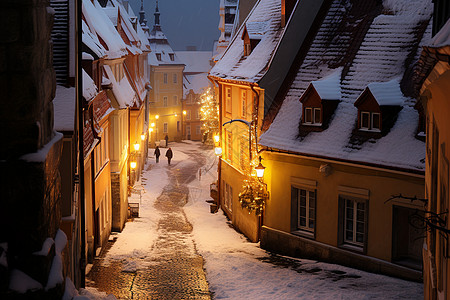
<point x="79" y="127"/>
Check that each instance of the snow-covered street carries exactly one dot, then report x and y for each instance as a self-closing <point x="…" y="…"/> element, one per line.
<point x="235" y="268"/>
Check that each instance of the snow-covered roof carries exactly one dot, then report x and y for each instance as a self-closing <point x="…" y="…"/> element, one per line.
<point x="89" y="87"/>
<point x="100" y="24"/>
<point x="233" y="64"/>
<point x="197" y="83"/>
<point x="195" y="61"/>
<point x="329" y="87"/>
<point x="387" y="93"/>
<point x="256" y="29"/>
<point x="388" y="41"/>
<point x="64" y="108"/>
<point x="123" y="92"/>
<point x="442" y="38"/>
<point x="90" y="39"/>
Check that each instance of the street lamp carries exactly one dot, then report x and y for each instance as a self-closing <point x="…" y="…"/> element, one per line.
<point x="216" y="138"/>
<point x="260" y="169"/>
<point x="136" y="146"/>
<point x="184" y="112"/>
<point x="157" y="117"/>
<point x="142" y="137"/>
<point x="133" y="165"/>
<point x="218" y="151"/>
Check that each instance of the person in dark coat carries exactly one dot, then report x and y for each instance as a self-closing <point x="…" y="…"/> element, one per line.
<point x="169" y="155"/>
<point x="157" y="153"/>
<point x="167" y="140"/>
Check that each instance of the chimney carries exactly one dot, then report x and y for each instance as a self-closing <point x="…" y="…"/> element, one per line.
<point x="287" y="6"/>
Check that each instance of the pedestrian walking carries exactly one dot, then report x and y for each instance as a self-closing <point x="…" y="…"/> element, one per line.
<point x="157" y="153"/>
<point x="169" y="155"/>
<point x="167" y="140"/>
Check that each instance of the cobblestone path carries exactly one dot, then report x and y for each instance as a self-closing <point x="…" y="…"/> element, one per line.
<point x="176" y="271"/>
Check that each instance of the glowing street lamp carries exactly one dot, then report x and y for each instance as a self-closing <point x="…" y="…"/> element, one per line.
<point x="152" y="124"/>
<point x="133" y="165"/>
<point x="142" y="137"/>
<point x="157" y="117"/>
<point x="260" y="169"/>
<point x="150" y="130"/>
<point x="218" y="151"/>
<point x="136" y="146"/>
<point x="216" y="138"/>
<point x="184" y="112"/>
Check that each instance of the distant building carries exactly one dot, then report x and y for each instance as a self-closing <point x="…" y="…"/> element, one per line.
<point x="195" y="83"/>
<point x="166" y="80"/>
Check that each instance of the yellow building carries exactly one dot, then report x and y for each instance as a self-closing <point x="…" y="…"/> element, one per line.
<point x="247" y="78"/>
<point x="166" y="79"/>
<point x="433" y="83"/>
<point x="343" y="155"/>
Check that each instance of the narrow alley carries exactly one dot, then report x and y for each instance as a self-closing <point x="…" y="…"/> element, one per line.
<point x="173" y="268"/>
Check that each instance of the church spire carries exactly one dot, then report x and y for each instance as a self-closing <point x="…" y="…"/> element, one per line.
<point x="157" y="14"/>
<point x="142" y="19"/>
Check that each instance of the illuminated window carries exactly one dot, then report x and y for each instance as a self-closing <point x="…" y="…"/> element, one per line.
<point x="244" y="103"/>
<point x="228" y="99"/>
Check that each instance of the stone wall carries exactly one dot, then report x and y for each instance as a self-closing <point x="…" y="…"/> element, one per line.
<point x="29" y="190"/>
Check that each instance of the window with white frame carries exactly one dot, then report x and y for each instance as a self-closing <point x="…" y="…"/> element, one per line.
<point x="175" y="100"/>
<point x="165" y="101"/>
<point x="370" y="121"/>
<point x="304" y="201"/>
<point x="354" y="220"/>
<point x="313" y="116"/>
<point x="165" y="78"/>
<point x="197" y="114"/>
<point x="175" y="78"/>
<point x="228" y="99"/>
<point x="243" y="103"/>
<point x="165" y="128"/>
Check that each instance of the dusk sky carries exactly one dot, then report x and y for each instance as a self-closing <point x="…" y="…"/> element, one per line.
<point x="185" y="22"/>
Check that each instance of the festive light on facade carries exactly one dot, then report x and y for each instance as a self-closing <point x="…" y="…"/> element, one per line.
<point x="209" y="112"/>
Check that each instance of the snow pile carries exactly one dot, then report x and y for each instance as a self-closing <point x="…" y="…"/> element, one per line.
<point x="21" y="282"/>
<point x="55" y="276"/>
<point x="42" y="153"/>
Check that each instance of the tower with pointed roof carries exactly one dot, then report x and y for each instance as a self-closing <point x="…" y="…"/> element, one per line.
<point x="166" y="78"/>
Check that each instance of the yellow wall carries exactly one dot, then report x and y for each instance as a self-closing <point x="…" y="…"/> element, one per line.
<point x="166" y="113"/>
<point x="381" y="185"/>
<point x="437" y="105"/>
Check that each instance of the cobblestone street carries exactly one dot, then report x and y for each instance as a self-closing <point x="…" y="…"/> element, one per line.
<point x="174" y="267"/>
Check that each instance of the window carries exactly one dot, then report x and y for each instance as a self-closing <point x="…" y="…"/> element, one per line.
<point x="165" y="101"/>
<point x="175" y="79"/>
<point x="165" y="128"/>
<point x="354" y="220"/>
<point x="178" y="126"/>
<point x="312" y="116"/>
<point x="188" y="131"/>
<point x="197" y="130"/>
<point x="158" y="56"/>
<point x="172" y="57"/>
<point x="229" y="146"/>
<point x="175" y="100"/>
<point x="188" y="115"/>
<point x="247" y="49"/>
<point x="165" y="78"/>
<point x="304" y="202"/>
<point x="243" y="153"/>
<point x="227" y="192"/>
<point x="228" y="99"/>
<point x="244" y="103"/>
<point x="370" y="121"/>
<point x="197" y="115"/>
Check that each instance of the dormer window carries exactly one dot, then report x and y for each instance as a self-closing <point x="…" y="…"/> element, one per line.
<point x="158" y="56"/>
<point x="319" y="102"/>
<point x="378" y="106"/>
<point x="172" y="56"/>
<point x="313" y="116"/>
<point x="370" y="121"/>
<point x="252" y="34"/>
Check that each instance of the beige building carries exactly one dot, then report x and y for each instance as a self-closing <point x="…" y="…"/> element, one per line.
<point x="433" y="83"/>
<point x="344" y="155"/>
<point x="166" y="79"/>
